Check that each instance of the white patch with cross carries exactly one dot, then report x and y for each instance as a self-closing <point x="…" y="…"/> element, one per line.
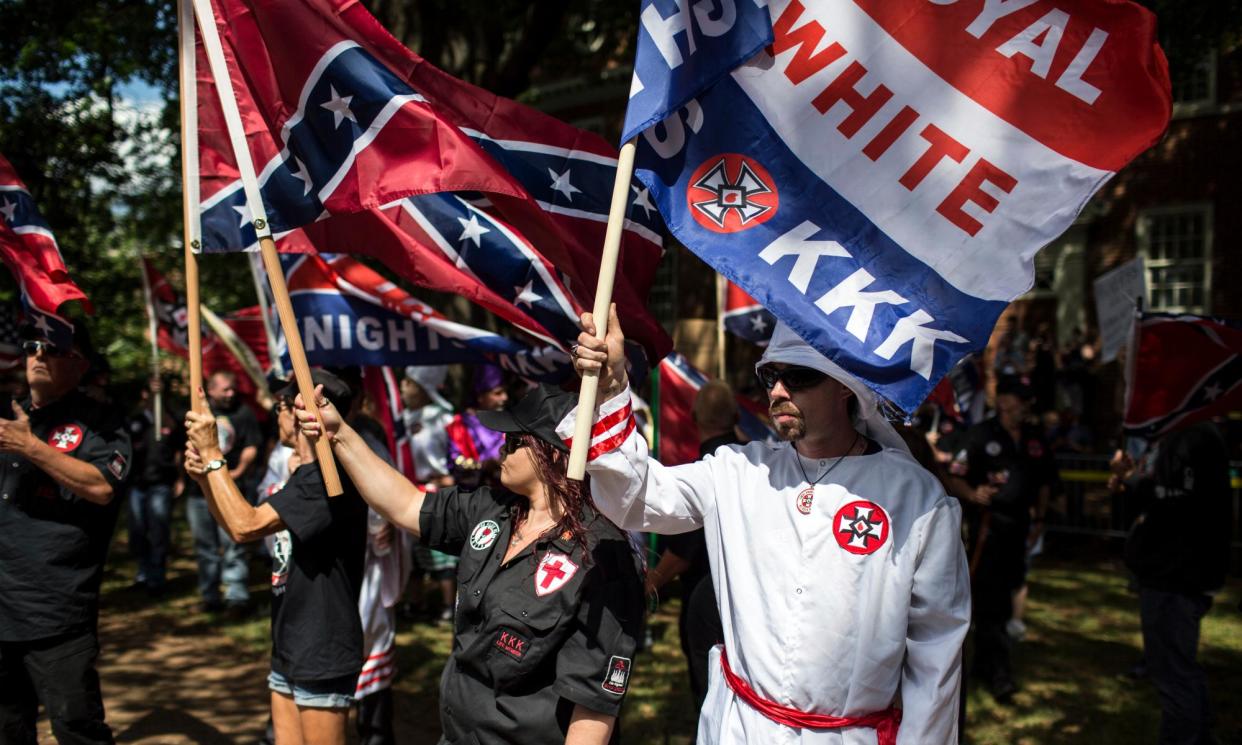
<point x="554" y="571"/>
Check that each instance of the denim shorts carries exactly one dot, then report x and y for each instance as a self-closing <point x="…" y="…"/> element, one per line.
<point x="333" y="693"/>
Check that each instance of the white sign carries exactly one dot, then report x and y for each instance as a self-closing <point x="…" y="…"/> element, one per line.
<point x="1117" y="294"/>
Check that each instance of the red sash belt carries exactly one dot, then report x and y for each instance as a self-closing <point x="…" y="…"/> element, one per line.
<point x="885" y="723"/>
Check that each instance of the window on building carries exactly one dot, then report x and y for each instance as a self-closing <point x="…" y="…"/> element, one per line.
<point x="1194" y="86"/>
<point x="1176" y="245"/>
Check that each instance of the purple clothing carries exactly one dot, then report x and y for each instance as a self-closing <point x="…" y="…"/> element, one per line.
<point x="487" y="377"/>
<point x="486" y="441"/>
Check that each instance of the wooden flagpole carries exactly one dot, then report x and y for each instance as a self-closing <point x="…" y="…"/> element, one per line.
<point x="189" y="193"/>
<point x="589" y="391"/>
<point x="271" y="260"/>
<point x="154" y="329"/>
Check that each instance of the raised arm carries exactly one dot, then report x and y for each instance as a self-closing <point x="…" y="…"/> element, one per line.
<point x="84" y="479"/>
<point x="240" y="519"/>
<point x="381" y="485"/>
<point x="631" y="488"/>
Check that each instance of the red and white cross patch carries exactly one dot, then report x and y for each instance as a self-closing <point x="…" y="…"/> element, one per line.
<point x="861" y="527"/>
<point x="553" y="572"/>
<point x="65" y="438"/>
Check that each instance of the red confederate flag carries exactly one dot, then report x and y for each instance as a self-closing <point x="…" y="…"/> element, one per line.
<point x="1186" y="369"/>
<point x="363" y="147"/>
<point x="29" y="250"/>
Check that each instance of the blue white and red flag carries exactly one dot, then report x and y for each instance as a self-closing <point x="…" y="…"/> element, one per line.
<point x="679" y="435"/>
<point x="745" y="318"/>
<point x="1186" y="369"/>
<point x="349" y="314"/>
<point x="382" y="385"/>
<point x="366" y="148"/>
<point x="29" y="249"/>
<point x="881" y="173"/>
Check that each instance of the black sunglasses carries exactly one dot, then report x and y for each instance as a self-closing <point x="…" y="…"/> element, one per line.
<point x="793" y="378"/>
<point x="514" y="441"/>
<point x="32" y="347"/>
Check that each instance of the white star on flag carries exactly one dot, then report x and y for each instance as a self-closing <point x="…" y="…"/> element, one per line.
<point x="10" y="211"/>
<point x="247" y="216"/>
<point x="526" y="294"/>
<point x="472" y="230"/>
<point x="758" y="324"/>
<point x="642" y="200"/>
<point x="303" y="175"/>
<point x="42" y="324"/>
<point x="560" y="182"/>
<point x="1212" y="392"/>
<point x="339" y="106"/>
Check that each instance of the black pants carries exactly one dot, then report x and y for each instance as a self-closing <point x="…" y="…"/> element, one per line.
<point x="375" y="719"/>
<point x="1170" y="648"/>
<point x="60" y="674"/>
<point x="701" y="632"/>
<point x="1000" y="572"/>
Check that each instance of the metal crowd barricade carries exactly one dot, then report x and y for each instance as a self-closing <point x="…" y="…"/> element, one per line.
<point x="1086" y="506"/>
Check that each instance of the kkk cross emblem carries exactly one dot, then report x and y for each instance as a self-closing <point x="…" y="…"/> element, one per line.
<point x="554" y="571"/>
<point x="861" y="527"/>
<point x="66" y="438"/>
<point x="731" y="192"/>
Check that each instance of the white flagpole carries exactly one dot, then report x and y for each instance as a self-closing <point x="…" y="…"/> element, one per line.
<point x="589" y="391"/>
<point x="154" y="329"/>
<point x="722" y="290"/>
<point x="274" y="362"/>
<point x="271" y="260"/>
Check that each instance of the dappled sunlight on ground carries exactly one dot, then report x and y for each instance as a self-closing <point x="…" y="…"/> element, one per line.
<point x="174" y="675"/>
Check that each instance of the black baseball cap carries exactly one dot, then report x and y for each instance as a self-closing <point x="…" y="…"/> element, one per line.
<point x="334" y="389"/>
<point x="537" y="413"/>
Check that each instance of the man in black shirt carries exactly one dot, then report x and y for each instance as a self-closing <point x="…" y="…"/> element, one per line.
<point x="1178" y="550"/>
<point x="1010" y="474"/>
<point x="316" y="573"/>
<point x="63" y="459"/>
<point x="149" y="502"/>
<point x="220" y="558"/>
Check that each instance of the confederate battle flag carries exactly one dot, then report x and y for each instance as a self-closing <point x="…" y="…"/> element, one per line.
<point x="1186" y="369"/>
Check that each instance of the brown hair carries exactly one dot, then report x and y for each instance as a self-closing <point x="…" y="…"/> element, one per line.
<point x="563" y="493"/>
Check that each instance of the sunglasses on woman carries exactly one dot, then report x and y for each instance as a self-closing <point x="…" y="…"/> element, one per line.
<point x="514" y="441"/>
<point x="794" y="378"/>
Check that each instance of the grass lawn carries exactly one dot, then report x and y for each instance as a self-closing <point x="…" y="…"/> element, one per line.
<point x="1083" y="632"/>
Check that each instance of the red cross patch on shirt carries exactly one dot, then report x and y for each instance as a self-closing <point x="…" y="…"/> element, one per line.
<point x="861" y="527"/>
<point x="65" y="438"/>
<point x="553" y="572"/>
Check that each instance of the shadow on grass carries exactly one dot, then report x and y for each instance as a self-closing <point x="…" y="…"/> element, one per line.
<point x="1083" y="635"/>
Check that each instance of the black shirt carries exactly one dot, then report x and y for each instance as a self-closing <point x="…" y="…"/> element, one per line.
<point x="154" y="460"/>
<point x="550" y="629"/>
<point x="53" y="542"/>
<point x="1019" y="469"/>
<point x="1182" y="543"/>
<point x="238" y="429"/>
<point x="316" y="575"/>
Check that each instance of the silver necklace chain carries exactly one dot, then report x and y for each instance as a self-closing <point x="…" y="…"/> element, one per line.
<point x="802" y="468"/>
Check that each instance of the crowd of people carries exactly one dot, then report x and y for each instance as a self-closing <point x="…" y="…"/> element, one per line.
<point x="827" y="585"/>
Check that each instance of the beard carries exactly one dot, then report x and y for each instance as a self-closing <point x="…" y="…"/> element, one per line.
<point x="790" y="430"/>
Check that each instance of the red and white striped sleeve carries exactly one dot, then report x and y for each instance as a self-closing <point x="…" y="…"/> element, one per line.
<point x="614" y="423"/>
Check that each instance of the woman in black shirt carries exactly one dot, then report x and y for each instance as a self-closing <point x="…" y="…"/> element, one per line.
<point x="550" y="596"/>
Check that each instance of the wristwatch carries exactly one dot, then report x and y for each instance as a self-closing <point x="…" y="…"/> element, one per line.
<point x="214" y="465"/>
